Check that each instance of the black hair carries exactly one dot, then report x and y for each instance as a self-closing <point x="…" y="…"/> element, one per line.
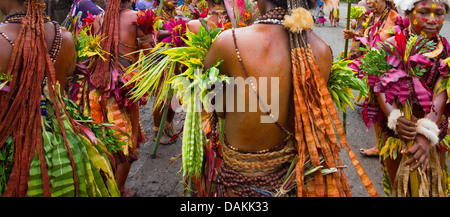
<point x="447" y="7"/>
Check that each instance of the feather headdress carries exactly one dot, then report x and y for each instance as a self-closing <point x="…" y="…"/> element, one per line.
<point x="407" y="5"/>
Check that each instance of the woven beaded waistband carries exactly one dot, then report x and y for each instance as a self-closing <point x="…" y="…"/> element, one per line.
<point x="259" y="162"/>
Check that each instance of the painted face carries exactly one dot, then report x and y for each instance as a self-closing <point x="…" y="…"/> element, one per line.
<point x="427" y="17"/>
<point x="375" y="5"/>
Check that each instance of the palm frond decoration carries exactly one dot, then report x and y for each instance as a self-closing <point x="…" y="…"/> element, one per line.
<point x="192" y="86"/>
<point x="147" y="73"/>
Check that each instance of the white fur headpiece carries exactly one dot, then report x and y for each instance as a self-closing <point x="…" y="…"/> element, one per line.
<point x="407" y="5"/>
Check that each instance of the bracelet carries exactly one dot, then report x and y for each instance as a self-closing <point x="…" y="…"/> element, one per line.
<point x="392" y="119"/>
<point x="143" y="41"/>
<point x="429" y="129"/>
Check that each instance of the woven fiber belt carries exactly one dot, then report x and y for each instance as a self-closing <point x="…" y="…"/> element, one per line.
<point x="265" y="162"/>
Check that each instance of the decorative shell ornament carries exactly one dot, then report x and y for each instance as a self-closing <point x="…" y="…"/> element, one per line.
<point x="408" y="5"/>
<point x="299" y="20"/>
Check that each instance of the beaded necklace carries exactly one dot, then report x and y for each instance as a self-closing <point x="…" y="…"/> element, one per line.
<point x="274" y="16"/>
<point x="56" y="47"/>
<point x="18" y="16"/>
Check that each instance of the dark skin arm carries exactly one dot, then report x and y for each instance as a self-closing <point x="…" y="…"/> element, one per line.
<point x="145" y="41"/>
<point x="349" y="34"/>
<point x="420" y="151"/>
<point x="406" y="129"/>
<point x="66" y="62"/>
<point x="162" y="34"/>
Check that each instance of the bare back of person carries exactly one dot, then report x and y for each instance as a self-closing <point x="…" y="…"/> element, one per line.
<point x="65" y="61"/>
<point x="265" y="52"/>
<point x="128" y="33"/>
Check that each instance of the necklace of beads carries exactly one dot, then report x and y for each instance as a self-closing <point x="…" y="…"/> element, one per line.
<point x="17" y="18"/>
<point x="274" y="16"/>
<point x="56" y="47"/>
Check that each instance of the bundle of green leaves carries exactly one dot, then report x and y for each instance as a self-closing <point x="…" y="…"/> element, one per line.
<point x="342" y="83"/>
<point x="356" y="12"/>
<point x="193" y="86"/>
<point x="6" y="163"/>
<point x="374" y="61"/>
<point x="88" y="45"/>
<point x="103" y="131"/>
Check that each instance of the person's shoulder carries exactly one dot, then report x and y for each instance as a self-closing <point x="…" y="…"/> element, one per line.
<point x="221" y="47"/>
<point x="128" y="15"/>
<point x="67" y="37"/>
<point x="66" y="34"/>
<point x="3" y="41"/>
<point x="321" y="48"/>
<point x="194" y="26"/>
<point x="252" y="33"/>
<point x="224" y="38"/>
<point x="130" y="12"/>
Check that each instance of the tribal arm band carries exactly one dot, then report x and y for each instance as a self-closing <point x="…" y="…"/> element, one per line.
<point x="429" y="129"/>
<point x="392" y="119"/>
<point x="425" y="126"/>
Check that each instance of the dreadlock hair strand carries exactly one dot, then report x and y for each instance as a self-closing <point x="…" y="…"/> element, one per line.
<point x="317" y="140"/>
<point x="20" y="113"/>
<point x="101" y="77"/>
